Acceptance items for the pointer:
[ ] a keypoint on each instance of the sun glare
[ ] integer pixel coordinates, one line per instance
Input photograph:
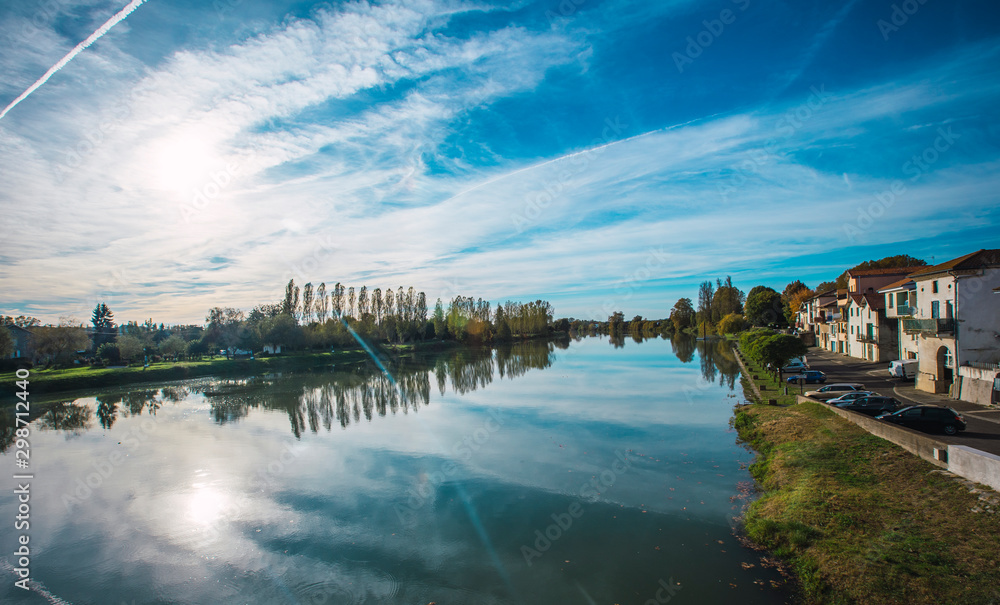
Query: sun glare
(183, 162)
(206, 505)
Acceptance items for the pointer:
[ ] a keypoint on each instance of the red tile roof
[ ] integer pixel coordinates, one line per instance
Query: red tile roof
(886, 271)
(975, 260)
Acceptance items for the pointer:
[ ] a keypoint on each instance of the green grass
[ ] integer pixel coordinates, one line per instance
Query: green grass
(860, 520)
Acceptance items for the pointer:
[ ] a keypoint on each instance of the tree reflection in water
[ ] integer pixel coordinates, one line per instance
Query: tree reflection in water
(313, 401)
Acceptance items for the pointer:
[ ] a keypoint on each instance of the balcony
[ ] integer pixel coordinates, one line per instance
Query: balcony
(904, 311)
(929, 326)
(868, 338)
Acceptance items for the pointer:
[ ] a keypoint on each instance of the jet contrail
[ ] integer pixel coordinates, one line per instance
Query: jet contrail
(113, 21)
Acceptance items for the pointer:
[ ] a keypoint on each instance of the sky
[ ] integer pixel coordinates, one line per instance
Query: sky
(601, 155)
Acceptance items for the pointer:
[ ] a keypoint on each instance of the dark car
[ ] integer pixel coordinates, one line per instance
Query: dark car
(873, 405)
(927, 418)
(809, 376)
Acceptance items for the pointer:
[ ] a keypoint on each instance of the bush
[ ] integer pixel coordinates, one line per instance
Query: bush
(108, 352)
(733, 323)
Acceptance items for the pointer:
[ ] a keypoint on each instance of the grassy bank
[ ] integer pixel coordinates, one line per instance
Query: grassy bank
(72, 379)
(770, 387)
(861, 520)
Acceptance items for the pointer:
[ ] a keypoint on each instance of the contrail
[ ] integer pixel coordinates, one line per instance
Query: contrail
(113, 21)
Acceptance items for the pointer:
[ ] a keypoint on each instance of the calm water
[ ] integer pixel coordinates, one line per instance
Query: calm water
(533, 474)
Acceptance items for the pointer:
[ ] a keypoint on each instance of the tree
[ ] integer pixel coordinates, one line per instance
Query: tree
(290, 304)
(7, 343)
(58, 342)
(728, 299)
(104, 325)
(440, 330)
(307, 303)
(130, 348)
(174, 346)
(281, 331)
(732, 323)
(826, 287)
(21, 321)
(777, 350)
(350, 302)
(616, 323)
(792, 288)
(795, 303)
(763, 307)
(682, 314)
(705, 294)
(225, 325)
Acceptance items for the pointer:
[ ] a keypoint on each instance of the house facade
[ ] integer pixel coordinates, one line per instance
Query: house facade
(957, 324)
(23, 348)
(871, 335)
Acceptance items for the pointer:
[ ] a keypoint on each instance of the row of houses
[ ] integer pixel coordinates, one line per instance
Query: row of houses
(946, 317)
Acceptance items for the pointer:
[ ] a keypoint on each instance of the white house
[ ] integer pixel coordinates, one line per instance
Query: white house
(957, 323)
(871, 335)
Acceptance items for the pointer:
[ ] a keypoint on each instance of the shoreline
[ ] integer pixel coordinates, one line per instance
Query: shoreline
(858, 519)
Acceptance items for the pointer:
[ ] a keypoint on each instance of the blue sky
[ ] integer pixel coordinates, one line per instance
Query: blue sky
(601, 155)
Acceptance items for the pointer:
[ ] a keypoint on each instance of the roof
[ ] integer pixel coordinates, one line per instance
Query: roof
(868, 298)
(975, 260)
(884, 271)
(904, 284)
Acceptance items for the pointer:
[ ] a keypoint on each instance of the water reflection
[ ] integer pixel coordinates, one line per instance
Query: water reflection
(341, 398)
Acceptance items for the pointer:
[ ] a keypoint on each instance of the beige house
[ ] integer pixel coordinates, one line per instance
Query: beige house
(957, 324)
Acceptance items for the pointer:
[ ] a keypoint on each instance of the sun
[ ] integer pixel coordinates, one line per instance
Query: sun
(182, 162)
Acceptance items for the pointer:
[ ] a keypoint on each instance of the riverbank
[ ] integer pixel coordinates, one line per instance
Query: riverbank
(859, 519)
(45, 382)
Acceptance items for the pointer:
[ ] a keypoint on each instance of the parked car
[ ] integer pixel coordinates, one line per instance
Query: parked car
(835, 390)
(927, 418)
(850, 396)
(873, 405)
(809, 376)
(904, 368)
(796, 365)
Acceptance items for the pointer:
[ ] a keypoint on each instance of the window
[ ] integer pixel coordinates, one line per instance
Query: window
(889, 298)
(936, 309)
(934, 287)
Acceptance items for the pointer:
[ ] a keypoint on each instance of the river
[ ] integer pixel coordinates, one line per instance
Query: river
(564, 472)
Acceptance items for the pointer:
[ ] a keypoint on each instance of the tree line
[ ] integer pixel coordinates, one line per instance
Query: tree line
(307, 317)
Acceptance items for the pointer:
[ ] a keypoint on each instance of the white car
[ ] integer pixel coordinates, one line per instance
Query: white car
(904, 368)
(831, 391)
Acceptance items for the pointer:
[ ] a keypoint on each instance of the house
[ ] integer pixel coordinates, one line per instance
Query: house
(957, 324)
(810, 314)
(22, 342)
(863, 307)
(871, 335)
(826, 322)
(838, 329)
(900, 300)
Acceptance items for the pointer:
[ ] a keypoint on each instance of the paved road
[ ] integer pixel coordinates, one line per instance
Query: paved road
(983, 431)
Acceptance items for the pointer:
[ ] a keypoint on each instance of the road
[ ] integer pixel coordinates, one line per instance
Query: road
(983, 431)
